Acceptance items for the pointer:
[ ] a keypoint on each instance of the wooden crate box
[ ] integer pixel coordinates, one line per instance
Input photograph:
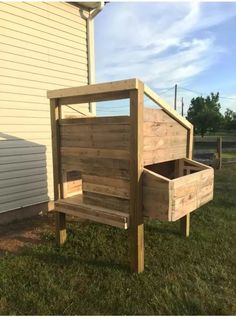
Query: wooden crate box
(173, 189)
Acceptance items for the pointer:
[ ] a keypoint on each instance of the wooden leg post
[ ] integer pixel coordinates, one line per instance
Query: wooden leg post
(185, 221)
(185, 225)
(137, 248)
(60, 228)
(136, 171)
(55, 111)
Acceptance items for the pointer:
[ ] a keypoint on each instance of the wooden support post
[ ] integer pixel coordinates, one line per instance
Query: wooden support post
(136, 170)
(185, 221)
(55, 111)
(219, 152)
(185, 225)
(60, 228)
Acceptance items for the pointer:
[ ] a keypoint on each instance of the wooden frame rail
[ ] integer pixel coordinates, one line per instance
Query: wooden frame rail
(133, 89)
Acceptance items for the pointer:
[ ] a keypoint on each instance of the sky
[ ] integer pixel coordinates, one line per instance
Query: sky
(191, 44)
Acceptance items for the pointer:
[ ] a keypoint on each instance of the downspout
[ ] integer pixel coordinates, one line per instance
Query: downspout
(91, 55)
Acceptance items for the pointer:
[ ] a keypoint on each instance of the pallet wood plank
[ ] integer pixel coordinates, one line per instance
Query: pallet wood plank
(100, 121)
(111, 202)
(99, 153)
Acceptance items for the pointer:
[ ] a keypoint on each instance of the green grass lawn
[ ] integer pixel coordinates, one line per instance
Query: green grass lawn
(89, 275)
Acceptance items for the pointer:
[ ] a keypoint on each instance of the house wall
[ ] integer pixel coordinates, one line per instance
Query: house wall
(43, 46)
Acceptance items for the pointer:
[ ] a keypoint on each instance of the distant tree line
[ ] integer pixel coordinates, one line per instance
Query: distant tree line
(205, 115)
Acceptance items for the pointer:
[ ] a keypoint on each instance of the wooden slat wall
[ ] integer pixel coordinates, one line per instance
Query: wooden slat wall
(164, 138)
(43, 46)
(99, 149)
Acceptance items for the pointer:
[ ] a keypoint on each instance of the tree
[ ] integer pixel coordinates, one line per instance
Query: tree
(230, 119)
(204, 114)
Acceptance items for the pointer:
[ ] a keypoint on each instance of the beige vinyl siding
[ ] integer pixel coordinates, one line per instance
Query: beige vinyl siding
(43, 46)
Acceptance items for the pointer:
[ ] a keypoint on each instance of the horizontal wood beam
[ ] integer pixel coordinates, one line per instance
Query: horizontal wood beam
(115, 86)
(167, 108)
(108, 96)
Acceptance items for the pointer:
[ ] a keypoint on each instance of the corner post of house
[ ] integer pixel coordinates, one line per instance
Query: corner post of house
(136, 229)
(55, 111)
(185, 221)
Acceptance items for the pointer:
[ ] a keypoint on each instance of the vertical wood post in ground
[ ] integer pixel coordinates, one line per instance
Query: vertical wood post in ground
(219, 152)
(136, 229)
(185, 221)
(185, 225)
(55, 111)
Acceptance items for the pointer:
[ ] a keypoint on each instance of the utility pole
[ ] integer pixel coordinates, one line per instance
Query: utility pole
(175, 101)
(182, 106)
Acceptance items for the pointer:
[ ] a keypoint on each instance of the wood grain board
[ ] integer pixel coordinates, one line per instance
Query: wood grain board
(164, 139)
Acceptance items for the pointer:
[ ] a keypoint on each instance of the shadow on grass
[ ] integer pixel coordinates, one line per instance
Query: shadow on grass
(162, 228)
(82, 248)
(59, 259)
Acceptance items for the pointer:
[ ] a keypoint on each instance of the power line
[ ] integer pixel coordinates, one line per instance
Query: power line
(194, 91)
(200, 93)
(166, 90)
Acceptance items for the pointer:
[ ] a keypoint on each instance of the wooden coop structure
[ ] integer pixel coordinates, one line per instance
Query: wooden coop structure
(118, 170)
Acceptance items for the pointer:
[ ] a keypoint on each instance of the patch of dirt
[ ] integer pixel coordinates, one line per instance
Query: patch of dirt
(26, 232)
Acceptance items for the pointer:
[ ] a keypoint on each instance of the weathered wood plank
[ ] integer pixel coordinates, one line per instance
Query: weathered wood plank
(110, 202)
(98, 169)
(77, 129)
(96, 120)
(109, 181)
(161, 155)
(106, 190)
(95, 153)
(164, 138)
(98, 141)
(86, 163)
(154, 143)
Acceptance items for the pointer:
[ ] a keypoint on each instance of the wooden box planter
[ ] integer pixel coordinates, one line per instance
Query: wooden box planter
(173, 189)
(118, 170)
